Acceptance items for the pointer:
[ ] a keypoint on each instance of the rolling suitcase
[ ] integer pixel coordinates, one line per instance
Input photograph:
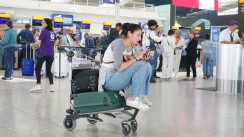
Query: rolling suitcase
(98, 101)
(27, 65)
(60, 65)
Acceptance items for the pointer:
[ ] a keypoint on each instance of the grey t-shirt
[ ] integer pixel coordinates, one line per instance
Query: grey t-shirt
(118, 47)
(207, 46)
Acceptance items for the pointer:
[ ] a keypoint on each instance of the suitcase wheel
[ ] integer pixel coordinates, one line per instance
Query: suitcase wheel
(69, 124)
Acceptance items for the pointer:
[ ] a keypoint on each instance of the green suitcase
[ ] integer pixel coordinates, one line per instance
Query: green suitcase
(98, 101)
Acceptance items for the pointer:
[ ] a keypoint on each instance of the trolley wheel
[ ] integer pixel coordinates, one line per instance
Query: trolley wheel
(69, 124)
(133, 126)
(126, 129)
(92, 121)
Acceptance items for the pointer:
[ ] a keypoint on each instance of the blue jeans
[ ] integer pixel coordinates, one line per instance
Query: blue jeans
(206, 59)
(1, 58)
(9, 61)
(153, 62)
(137, 75)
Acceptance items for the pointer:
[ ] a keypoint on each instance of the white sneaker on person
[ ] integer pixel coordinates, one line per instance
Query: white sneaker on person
(146, 101)
(36, 87)
(51, 88)
(137, 104)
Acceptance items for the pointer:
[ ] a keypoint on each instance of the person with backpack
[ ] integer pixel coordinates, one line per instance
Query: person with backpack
(150, 39)
(8, 43)
(47, 40)
(24, 37)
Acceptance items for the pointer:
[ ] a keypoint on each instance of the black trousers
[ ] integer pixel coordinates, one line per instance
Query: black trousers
(191, 62)
(49, 62)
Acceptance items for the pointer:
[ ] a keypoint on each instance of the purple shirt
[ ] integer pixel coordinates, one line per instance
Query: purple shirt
(47, 38)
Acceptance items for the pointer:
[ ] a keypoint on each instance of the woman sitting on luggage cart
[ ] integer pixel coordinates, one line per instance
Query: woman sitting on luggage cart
(118, 71)
(47, 40)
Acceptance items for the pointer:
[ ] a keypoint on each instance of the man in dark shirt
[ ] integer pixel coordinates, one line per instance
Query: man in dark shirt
(114, 32)
(29, 37)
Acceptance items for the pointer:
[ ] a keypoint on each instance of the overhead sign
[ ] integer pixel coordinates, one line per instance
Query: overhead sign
(107, 25)
(4, 18)
(37, 20)
(109, 1)
(58, 23)
(68, 19)
(86, 24)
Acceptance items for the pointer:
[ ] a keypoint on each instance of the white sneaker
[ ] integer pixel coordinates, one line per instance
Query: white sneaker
(146, 101)
(51, 88)
(137, 104)
(36, 87)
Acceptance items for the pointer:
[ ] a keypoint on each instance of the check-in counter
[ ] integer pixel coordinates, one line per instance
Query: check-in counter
(230, 68)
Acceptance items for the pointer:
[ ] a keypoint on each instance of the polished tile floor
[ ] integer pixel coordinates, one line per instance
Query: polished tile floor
(179, 110)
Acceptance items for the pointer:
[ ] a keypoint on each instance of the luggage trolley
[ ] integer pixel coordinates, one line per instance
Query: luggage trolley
(90, 105)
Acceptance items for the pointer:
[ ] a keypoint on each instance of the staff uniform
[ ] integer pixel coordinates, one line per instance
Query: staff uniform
(178, 50)
(168, 57)
(226, 36)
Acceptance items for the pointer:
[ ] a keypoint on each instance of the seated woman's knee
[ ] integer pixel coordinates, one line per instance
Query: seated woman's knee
(141, 64)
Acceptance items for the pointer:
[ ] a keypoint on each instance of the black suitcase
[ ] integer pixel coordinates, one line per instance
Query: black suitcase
(84, 80)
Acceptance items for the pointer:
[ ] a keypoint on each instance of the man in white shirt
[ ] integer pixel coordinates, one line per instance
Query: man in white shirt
(168, 56)
(229, 36)
(179, 43)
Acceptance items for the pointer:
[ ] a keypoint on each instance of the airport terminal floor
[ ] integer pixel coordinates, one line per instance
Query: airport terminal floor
(180, 109)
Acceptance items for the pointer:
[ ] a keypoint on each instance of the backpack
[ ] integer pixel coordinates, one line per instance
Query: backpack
(23, 38)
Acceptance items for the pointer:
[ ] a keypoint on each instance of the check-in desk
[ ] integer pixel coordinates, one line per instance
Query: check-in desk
(230, 68)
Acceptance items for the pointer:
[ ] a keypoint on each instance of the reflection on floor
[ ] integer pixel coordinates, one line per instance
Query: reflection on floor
(179, 110)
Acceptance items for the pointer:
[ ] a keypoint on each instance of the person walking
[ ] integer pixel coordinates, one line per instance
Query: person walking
(47, 40)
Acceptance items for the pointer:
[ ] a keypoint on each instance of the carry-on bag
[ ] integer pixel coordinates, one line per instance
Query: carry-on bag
(27, 65)
(60, 65)
(84, 80)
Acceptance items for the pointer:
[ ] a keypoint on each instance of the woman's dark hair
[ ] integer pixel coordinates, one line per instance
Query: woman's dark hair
(170, 32)
(207, 36)
(152, 23)
(9, 24)
(126, 27)
(49, 24)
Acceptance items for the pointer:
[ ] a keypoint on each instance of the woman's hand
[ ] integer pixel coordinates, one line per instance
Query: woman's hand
(141, 54)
